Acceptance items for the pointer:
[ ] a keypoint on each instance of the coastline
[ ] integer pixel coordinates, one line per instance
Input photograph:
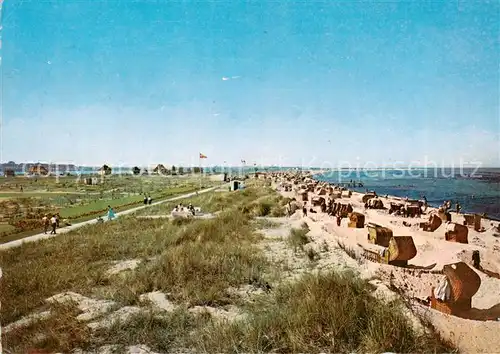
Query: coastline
(473, 331)
(477, 208)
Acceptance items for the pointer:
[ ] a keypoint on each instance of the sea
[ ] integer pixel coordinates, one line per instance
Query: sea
(477, 191)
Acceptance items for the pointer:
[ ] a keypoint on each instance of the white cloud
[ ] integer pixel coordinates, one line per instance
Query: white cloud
(226, 78)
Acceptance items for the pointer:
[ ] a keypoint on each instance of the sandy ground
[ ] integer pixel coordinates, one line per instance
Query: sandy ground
(473, 334)
(63, 230)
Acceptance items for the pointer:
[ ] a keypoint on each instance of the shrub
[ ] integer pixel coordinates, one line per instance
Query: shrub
(312, 254)
(298, 238)
(263, 209)
(278, 211)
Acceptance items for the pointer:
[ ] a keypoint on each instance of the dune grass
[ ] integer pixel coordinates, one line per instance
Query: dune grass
(298, 237)
(332, 312)
(255, 200)
(196, 262)
(61, 332)
(202, 260)
(266, 224)
(163, 333)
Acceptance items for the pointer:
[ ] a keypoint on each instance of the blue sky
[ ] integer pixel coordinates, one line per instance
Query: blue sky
(319, 82)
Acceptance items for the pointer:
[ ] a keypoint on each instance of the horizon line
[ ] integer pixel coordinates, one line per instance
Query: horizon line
(245, 166)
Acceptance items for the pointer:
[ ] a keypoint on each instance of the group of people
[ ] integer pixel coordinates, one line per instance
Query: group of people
(180, 207)
(447, 206)
(53, 222)
(329, 207)
(148, 200)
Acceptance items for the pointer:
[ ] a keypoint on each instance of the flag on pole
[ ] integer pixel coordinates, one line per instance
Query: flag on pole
(202, 156)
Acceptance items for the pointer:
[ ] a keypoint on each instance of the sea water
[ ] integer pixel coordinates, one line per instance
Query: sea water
(476, 191)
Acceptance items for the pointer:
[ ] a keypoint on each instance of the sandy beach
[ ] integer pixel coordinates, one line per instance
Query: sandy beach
(474, 331)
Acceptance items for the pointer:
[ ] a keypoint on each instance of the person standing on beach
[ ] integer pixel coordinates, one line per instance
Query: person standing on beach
(46, 223)
(304, 209)
(459, 207)
(53, 222)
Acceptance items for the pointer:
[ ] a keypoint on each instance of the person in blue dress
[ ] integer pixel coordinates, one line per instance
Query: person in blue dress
(111, 213)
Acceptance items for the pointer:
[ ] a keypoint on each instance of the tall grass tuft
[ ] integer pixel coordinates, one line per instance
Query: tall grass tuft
(298, 238)
(351, 252)
(61, 332)
(203, 259)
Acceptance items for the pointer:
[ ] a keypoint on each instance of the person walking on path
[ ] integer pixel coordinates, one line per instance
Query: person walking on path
(111, 213)
(46, 223)
(53, 222)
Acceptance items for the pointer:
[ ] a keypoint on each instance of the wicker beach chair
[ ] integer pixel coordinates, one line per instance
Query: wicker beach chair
(336, 195)
(401, 250)
(473, 220)
(456, 233)
(395, 207)
(356, 220)
(413, 210)
(379, 235)
(375, 203)
(345, 210)
(433, 223)
(376, 253)
(317, 201)
(367, 197)
(321, 191)
(346, 194)
(464, 283)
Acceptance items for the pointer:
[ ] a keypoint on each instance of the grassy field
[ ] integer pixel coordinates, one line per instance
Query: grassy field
(196, 262)
(6, 228)
(101, 205)
(86, 202)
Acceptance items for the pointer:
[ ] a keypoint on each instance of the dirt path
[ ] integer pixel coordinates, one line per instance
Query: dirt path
(66, 229)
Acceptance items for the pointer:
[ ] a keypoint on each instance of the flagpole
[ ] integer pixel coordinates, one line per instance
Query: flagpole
(199, 165)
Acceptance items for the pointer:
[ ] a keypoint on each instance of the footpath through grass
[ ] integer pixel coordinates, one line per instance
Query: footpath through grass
(91, 211)
(196, 262)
